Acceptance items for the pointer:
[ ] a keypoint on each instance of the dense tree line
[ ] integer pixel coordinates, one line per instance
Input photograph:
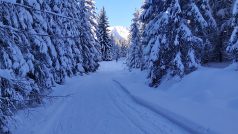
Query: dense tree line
(44, 41)
(41, 43)
(174, 37)
(111, 48)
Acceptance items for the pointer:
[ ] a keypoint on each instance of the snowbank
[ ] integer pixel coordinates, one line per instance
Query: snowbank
(205, 101)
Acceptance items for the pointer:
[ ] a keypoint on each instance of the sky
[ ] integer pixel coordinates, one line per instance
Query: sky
(119, 12)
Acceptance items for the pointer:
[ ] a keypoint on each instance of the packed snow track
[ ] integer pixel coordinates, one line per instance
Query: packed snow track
(97, 104)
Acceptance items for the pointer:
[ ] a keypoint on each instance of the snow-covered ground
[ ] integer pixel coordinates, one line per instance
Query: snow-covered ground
(116, 101)
(204, 101)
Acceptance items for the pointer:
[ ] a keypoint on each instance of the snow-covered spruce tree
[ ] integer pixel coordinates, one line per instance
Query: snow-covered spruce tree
(16, 61)
(150, 9)
(41, 42)
(134, 57)
(221, 10)
(103, 36)
(115, 48)
(171, 47)
(123, 48)
(91, 10)
(69, 51)
(233, 43)
(211, 21)
(202, 23)
(87, 39)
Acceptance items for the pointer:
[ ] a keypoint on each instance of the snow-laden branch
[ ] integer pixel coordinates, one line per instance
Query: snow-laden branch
(4, 27)
(33, 8)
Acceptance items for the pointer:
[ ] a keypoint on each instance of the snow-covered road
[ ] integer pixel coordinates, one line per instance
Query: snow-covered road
(97, 104)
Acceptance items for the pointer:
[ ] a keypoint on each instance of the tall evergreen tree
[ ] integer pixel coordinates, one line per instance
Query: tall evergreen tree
(134, 57)
(91, 10)
(171, 47)
(150, 10)
(233, 43)
(115, 48)
(87, 38)
(123, 48)
(103, 36)
(202, 23)
(221, 11)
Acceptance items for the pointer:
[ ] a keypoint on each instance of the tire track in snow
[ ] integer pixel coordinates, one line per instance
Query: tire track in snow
(143, 118)
(186, 125)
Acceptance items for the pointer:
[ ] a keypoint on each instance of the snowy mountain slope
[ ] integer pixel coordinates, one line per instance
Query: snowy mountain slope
(120, 32)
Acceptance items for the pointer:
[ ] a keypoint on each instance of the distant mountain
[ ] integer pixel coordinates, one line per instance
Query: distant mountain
(120, 32)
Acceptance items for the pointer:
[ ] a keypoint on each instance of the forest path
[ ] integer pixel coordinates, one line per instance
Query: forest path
(97, 105)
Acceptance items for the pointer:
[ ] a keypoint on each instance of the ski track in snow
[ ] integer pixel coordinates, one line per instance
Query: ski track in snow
(147, 120)
(99, 105)
(187, 125)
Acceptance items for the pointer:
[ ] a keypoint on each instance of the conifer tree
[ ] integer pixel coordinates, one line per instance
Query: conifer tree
(115, 48)
(91, 10)
(134, 57)
(233, 43)
(87, 38)
(171, 48)
(103, 36)
(221, 11)
(41, 42)
(203, 24)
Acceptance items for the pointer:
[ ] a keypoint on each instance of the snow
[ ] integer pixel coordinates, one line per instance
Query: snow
(12, 1)
(4, 73)
(154, 55)
(199, 17)
(207, 98)
(114, 100)
(233, 40)
(120, 32)
(235, 8)
(95, 104)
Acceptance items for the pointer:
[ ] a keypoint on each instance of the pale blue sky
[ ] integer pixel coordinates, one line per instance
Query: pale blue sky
(119, 12)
